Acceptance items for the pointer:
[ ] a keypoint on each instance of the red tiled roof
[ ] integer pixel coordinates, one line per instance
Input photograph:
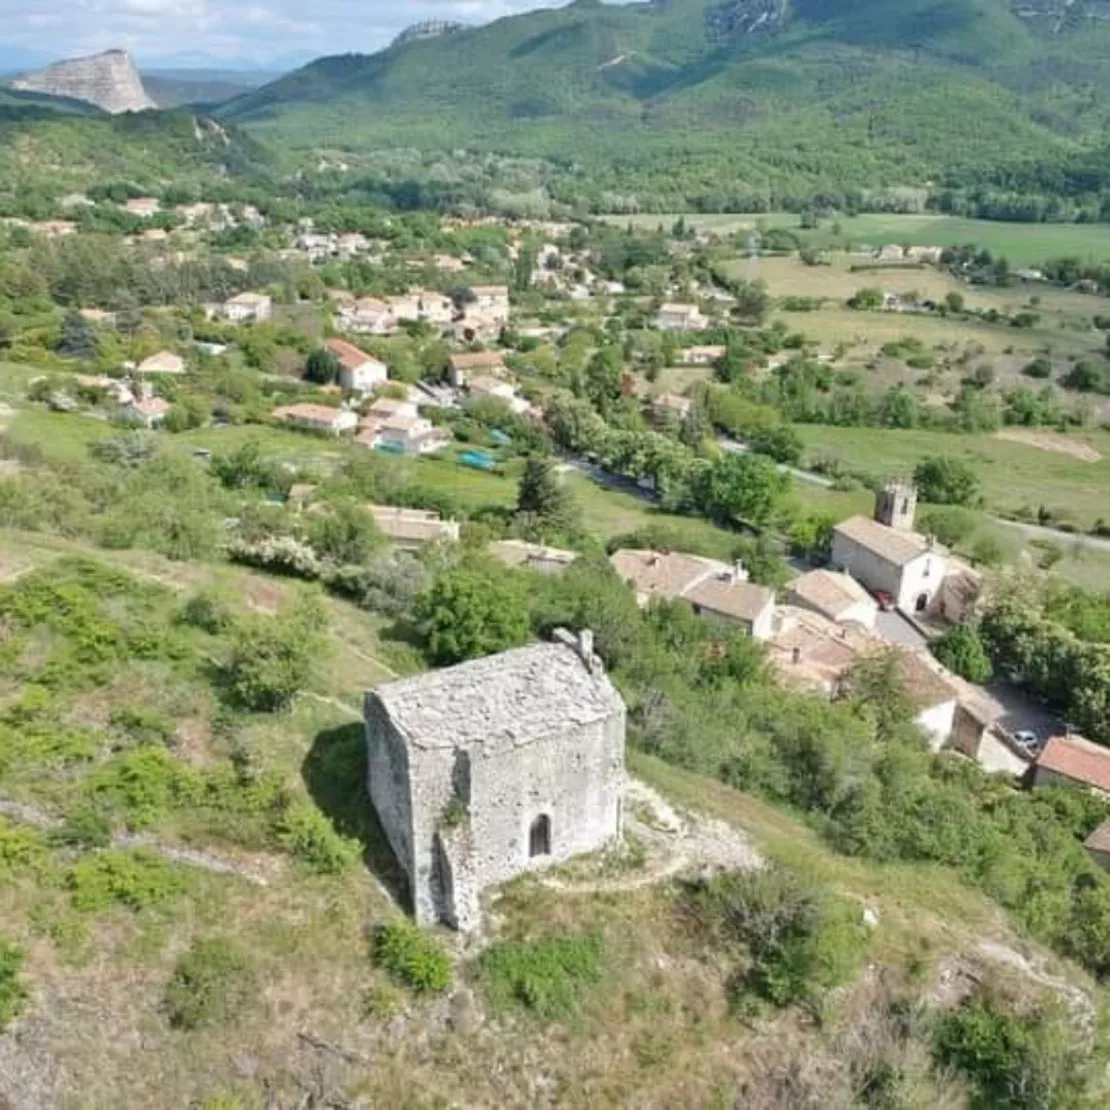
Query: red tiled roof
(1077, 759)
(350, 357)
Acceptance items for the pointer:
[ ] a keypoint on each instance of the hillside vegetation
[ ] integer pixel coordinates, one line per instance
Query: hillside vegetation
(726, 104)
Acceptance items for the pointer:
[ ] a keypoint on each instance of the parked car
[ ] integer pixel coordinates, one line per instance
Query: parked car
(1027, 741)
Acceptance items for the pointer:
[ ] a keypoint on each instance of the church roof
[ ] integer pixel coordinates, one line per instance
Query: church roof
(502, 701)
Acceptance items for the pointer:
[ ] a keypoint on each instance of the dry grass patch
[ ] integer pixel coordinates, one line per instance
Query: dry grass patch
(1051, 441)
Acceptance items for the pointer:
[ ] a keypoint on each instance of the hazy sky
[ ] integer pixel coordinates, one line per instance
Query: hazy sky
(230, 29)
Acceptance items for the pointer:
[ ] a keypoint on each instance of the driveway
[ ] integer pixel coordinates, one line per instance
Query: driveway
(895, 628)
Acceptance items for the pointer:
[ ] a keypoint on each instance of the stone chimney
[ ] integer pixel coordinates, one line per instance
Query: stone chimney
(739, 571)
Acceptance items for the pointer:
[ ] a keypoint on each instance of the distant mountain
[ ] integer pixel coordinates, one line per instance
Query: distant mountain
(723, 100)
(109, 80)
(171, 88)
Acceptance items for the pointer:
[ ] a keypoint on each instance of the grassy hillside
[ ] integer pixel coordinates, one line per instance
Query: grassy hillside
(684, 96)
(77, 149)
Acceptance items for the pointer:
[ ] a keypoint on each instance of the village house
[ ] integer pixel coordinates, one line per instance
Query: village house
(887, 556)
(75, 200)
(461, 368)
(449, 264)
(53, 229)
(248, 306)
(814, 653)
(532, 556)
(413, 528)
(839, 597)
(358, 371)
(490, 302)
(405, 306)
(478, 388)
(680, 317)
(711, 588)
(1072, 761)
(143, 207)
(701, 356)
(316, 418)
(495, 767)
(367, 316)
(1098, 845)
(164, 362)
(403, 435)
(669, 406)
(149, 412)
(384, 408)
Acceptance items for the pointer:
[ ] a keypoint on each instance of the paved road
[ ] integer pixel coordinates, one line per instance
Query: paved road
(1038, 531)
(895, 628)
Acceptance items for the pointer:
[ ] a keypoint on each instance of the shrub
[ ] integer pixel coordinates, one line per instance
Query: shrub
(946, 481)
(137, 880)
(206, 612)
(13, 994)
(1038, 368)
(411, 957)
(546, 976)
(309, 836)
(1013, 1061)
(798, 941)
(962, 652)
(272, 659)
(212, 984)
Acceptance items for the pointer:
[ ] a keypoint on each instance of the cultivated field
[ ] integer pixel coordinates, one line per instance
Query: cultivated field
(1022, 244)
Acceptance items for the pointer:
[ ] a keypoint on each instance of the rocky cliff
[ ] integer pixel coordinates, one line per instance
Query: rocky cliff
(109, 80)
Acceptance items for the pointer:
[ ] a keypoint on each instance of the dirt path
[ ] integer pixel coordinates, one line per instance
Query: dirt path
(672, 842)
(256, 869)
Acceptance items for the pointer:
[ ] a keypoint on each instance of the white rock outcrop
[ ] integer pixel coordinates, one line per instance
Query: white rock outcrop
(109, 80)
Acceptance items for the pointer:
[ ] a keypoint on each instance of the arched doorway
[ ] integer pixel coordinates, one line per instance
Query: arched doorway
(922, 603)
(539, 837)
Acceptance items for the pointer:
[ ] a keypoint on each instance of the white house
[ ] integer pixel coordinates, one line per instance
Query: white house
(490, 302)
(358, 371)
(474, 364)
(404, 435)
(248, 306)
(368, 316)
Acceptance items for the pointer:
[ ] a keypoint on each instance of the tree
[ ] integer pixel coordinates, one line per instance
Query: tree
(77, 338)
(346, 533)
(954, 302)
(866, 300)
(602, 381)
(963, 653)
(468, 613)
(543, 496)
(321, 367)
(272, 658)
(740, 486)
(946, 481)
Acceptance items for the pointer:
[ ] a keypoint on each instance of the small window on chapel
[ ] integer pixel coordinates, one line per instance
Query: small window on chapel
(539, 837)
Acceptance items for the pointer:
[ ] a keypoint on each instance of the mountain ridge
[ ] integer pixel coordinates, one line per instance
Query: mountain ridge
(825, 93)
(109, 80)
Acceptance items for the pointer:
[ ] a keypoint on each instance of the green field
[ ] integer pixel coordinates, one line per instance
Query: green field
(1022, 244)
(1013, 475)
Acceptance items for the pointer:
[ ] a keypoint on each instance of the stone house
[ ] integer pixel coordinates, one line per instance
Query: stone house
(143, 207)
(358, 371)
(486, 770)
(367, 316)
(669, 406)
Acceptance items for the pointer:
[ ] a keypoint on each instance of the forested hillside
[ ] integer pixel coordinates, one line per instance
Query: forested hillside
(738, 104)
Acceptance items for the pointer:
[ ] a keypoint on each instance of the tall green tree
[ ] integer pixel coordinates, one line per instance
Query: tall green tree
(468, 613)
(543, 497)
(321, 367)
